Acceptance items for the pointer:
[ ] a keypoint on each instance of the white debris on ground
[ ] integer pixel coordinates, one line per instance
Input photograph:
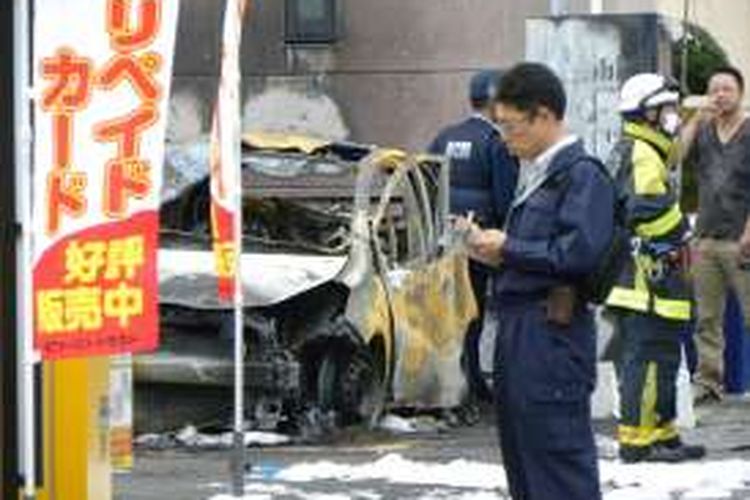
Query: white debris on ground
(270, 492)
(394, 468)
(402, 425)
(697, 480)
(191, 438)
(471, 480)
(397, 425)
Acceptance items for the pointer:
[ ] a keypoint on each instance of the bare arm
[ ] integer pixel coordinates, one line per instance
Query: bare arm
(688, 133)
(704, 114)
(745, 241)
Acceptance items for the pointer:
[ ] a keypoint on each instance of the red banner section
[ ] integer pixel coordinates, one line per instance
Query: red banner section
(222, 227)
(96, 291)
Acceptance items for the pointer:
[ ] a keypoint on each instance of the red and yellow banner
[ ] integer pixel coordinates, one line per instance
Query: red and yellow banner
(225, 158)
(102, 72)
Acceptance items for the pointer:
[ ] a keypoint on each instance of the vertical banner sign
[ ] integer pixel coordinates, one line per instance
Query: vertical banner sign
(225, 156)
(102, 73)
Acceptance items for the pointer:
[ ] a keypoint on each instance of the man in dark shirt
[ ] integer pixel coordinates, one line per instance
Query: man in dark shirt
(483, 179)
(717, 142)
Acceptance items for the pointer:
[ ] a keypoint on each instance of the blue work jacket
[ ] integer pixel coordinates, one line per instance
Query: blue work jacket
(558, 234)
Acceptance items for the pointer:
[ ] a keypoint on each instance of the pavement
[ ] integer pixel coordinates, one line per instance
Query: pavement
(434, 461)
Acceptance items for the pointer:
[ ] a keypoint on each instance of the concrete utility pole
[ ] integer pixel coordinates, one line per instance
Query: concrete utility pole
(558, 7)
(597, 7)
(8, 344)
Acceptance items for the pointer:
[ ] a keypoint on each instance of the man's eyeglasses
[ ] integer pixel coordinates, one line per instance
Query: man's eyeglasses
(510, 127)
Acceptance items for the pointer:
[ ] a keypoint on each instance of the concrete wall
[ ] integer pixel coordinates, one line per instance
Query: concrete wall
(617, 46)
(398, 73)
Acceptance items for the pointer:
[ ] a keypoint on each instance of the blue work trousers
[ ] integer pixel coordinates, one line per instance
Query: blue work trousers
(544, 376)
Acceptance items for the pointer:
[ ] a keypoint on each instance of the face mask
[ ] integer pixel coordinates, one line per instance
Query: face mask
(670, 123)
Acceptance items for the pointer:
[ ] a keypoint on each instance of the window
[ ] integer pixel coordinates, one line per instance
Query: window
(310, 21)
(399, 226)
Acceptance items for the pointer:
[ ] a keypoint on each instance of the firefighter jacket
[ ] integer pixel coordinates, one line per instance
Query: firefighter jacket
(651, 281)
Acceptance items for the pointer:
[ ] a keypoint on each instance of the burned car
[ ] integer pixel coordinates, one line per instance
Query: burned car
(356, 292)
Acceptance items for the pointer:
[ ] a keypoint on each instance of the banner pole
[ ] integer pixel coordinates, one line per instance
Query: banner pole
(22, 104)
(226, 206)
(237, 12)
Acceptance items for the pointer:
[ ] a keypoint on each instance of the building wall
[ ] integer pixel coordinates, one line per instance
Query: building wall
(727, 21)
(399, 71)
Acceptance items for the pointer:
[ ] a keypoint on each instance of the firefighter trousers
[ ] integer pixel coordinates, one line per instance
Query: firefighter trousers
(647, 372)
(543, 378)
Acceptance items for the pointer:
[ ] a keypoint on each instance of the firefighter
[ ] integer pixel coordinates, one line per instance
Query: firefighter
(650, 301)
(482, 181)
(558, 229)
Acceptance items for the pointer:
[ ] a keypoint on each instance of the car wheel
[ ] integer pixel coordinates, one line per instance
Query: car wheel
(349, 384)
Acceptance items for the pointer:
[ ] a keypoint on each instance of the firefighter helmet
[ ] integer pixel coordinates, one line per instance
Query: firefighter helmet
(647, 90)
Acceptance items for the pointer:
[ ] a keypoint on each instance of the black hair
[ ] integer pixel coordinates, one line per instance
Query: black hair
(731, 71)
(529, 86)
(633, 116)
(479, 104)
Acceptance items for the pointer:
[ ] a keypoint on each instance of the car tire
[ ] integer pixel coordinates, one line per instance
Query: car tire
(348, 384)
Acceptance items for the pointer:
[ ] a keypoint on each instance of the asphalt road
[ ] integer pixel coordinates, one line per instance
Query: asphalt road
(182, 474)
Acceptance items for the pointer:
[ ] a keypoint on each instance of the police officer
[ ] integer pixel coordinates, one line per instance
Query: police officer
(558, 229)
(650, 301)
(483, 179)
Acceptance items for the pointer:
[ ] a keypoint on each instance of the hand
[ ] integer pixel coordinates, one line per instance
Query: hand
(464, 224)
(486, 246)
(708, 111)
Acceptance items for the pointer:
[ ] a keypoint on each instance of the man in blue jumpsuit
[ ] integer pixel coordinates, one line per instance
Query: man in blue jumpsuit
(559, 228)
(483, 179)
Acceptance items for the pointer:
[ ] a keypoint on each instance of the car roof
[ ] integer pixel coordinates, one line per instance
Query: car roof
(310, 145)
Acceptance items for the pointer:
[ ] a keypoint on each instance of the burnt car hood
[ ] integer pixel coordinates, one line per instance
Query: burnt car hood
(187, 277)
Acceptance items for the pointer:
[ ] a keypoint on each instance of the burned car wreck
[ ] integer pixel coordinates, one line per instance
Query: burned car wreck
(357, 294)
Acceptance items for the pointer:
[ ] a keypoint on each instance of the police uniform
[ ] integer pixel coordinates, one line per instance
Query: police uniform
(483, 174)
(651, 300)
(558, 229)
(482, 180)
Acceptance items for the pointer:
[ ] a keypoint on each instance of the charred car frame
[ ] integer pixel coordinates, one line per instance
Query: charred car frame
(357, 293)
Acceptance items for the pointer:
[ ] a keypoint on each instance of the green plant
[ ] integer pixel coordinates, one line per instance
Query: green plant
(704, 55)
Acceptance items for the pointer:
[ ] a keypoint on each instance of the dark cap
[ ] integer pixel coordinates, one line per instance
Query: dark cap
(484, 86)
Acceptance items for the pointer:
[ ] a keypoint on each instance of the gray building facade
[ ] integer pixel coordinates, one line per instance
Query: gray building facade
(395, 72)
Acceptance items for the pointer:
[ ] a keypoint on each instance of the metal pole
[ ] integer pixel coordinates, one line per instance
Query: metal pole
(683, 75)
(8, 313)
(22, 103)
(233, 25)
(685, 40)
